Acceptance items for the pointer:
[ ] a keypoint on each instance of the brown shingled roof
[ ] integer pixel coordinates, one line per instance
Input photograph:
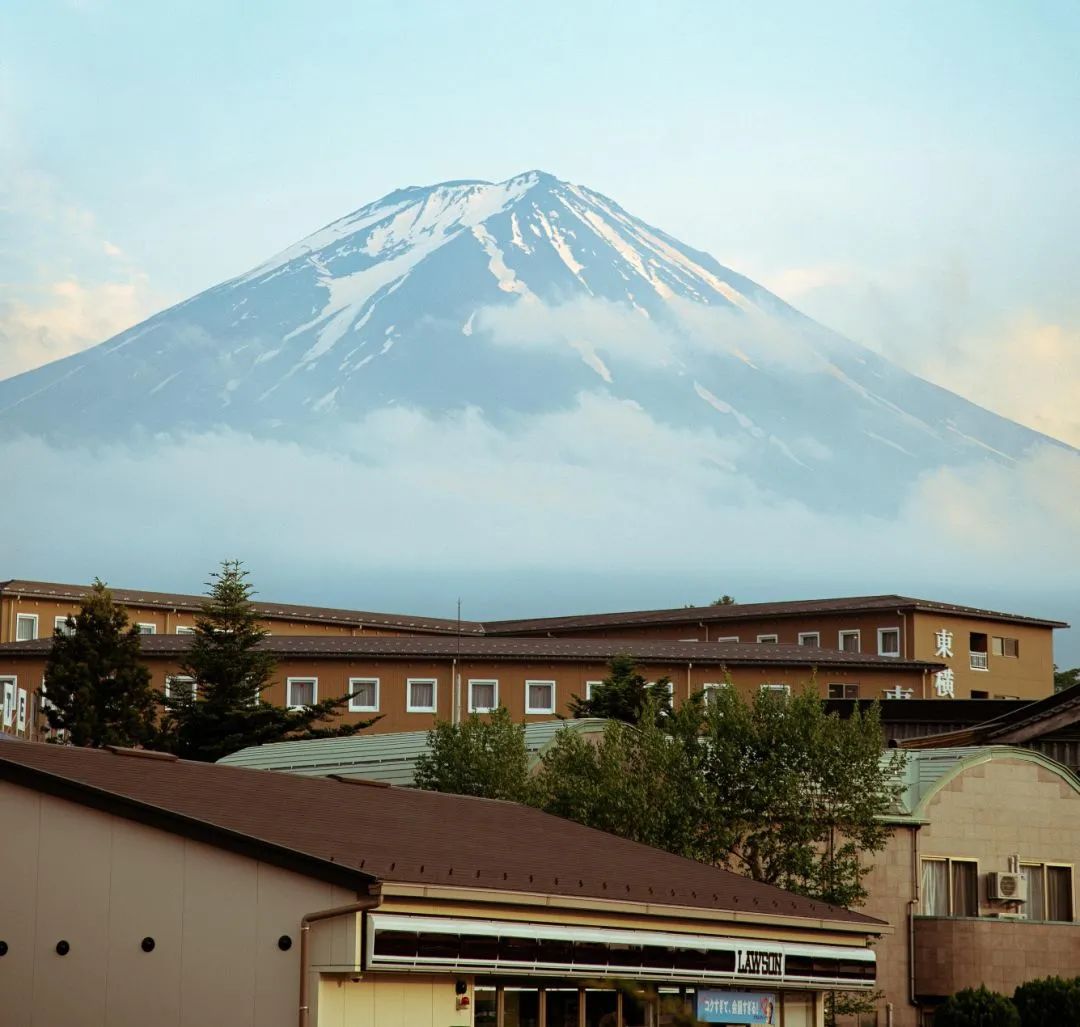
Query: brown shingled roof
(291, 611)
(355, 835)
(540, 649)
(749, 611)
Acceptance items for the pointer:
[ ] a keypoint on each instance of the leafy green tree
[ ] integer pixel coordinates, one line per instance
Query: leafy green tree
(1048, 1002)
(624, 694)
(977, 1007)
(643, 782)
(479, 757)
(96, 691)
(1066, 678)
(724, 600)
(220, 708)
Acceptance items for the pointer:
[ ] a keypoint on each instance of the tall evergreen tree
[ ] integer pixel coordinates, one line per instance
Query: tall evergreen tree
(95, 690)
(624, 694)
(217, 707)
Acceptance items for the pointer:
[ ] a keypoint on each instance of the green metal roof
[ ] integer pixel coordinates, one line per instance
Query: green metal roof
(378, 757)
(929, 770)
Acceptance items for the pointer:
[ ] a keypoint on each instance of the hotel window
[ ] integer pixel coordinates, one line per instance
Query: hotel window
(301, 692)
(147, 629)
(539, 696)
(364, 695)
(727, 638)
(178, 686)
(180, 630)
(842, 691)
(977, 649)
(483, 696)
(810, 638)
(771, 639)
(888, 641)
(25, 627)
(950, 887)
(850, 641)
(591, 687)
(712, 691)
(420, 695)
(777, 688)
(1006, 646)
(61, 624)
(1049, 891)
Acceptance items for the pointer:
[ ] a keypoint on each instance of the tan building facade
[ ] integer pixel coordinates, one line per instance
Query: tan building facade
(978, 824)
(142, 889)
(409, 683)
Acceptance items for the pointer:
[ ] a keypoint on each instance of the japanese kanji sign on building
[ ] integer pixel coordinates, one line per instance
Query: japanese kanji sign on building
(736, 1007)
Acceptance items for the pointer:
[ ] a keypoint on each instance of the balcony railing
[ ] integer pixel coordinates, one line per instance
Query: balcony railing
(979, 661)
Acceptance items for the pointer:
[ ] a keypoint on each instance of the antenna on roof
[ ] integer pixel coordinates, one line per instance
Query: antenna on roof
(456, 715)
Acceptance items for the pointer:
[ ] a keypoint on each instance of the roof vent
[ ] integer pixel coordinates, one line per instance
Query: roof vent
(143, 754)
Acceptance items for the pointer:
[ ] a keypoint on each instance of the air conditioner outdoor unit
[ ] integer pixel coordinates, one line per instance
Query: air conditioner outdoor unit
(1007, 887)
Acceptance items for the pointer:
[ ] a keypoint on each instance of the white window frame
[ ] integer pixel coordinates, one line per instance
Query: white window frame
(884, 631)
(775, 686)
(669, 688)
(769, 639)
(857, 632)
(11, 689)
(22, 707)
(409, 707)
(183, 629)
(19, 618)
(540, 681)
(843, 686)
(354, 706)
(144, 624)
(816, 635)
(727, 638)
(713, 686)
(303, 679)
(590, 687)
(473, 708)
(180, 677)
(60, 624)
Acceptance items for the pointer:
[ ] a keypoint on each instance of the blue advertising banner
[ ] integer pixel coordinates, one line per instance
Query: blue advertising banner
(737, 1007)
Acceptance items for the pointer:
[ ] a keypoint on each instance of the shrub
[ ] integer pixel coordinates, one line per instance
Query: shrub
(1048, 1002)
(977, 1007)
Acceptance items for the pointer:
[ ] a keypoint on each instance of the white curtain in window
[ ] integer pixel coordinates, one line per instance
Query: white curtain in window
(423, 694)
(935, 887)
(1035, 907)
(539, 697)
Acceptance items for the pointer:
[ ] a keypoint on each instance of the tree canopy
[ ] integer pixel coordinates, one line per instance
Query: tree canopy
(95, 690)
(977, 1007)
(624, 694)
(215, 705)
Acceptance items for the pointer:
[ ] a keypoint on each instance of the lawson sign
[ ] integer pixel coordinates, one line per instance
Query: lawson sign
(737, 1007)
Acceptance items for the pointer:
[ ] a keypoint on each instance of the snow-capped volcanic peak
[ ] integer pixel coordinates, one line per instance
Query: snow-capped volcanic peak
(516, 299)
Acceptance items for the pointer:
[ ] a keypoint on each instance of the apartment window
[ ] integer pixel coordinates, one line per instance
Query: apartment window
(364, 695)
(1006, 646)
(539, 696)
(591, 687)
(950, 887)
(769, 638)
(727, 638)
(483, 696)
(850, 641)
(712, 691)
(179, 685)
(888, 641)
(25, 627)
(1049, 891)
(421, 694)
(779, 689)
(301, 692)
(838, 690)
(61, 624)
(180, 630)
(20, 716)
(147, 629)
(810, 638)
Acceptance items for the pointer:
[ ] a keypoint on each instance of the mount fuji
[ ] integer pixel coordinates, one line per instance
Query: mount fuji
(516, 300)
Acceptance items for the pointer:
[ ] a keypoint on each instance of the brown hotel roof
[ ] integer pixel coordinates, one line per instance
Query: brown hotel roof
(358, 834)
(524, 649)
(753, 611)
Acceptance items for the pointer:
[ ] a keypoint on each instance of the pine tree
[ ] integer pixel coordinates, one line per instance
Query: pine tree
(95, 690)
(623, 694)
(219, 708)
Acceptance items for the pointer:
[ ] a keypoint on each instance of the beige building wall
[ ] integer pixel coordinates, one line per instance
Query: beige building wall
(1002, 807)
(103, 884)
